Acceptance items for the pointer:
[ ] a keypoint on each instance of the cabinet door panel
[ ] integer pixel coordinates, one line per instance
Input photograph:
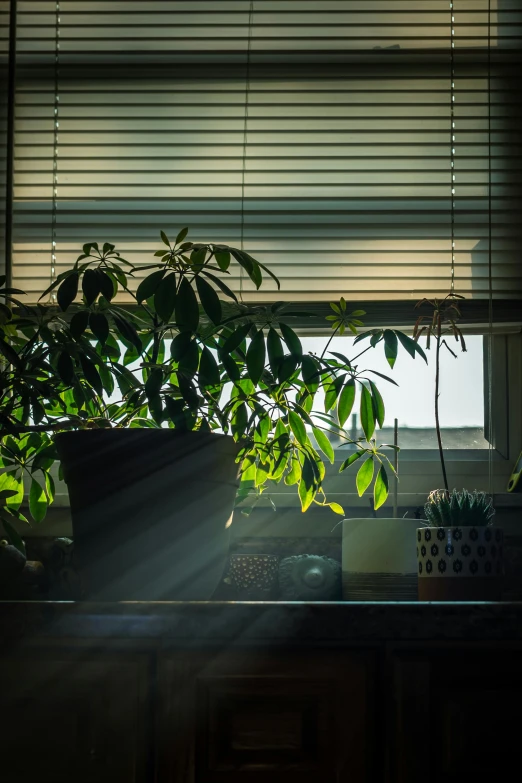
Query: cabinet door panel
(67, 717)
(244, 717)
(457, 715)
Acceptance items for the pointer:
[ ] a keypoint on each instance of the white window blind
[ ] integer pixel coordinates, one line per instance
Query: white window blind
(327, 137)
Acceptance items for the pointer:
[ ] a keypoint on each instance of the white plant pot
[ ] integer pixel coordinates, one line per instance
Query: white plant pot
(379, 559)
(460, 563)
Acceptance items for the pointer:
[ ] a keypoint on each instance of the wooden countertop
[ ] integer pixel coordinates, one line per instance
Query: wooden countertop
(258, 623)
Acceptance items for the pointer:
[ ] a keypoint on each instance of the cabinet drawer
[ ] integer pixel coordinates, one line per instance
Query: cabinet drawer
(266, 717)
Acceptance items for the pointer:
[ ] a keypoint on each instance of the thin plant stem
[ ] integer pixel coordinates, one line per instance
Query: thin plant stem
(437, 394)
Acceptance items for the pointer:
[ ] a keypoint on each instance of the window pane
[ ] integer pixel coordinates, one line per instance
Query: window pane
(461, 399)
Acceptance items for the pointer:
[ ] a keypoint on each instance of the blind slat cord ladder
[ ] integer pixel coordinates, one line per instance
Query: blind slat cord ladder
(337, 178)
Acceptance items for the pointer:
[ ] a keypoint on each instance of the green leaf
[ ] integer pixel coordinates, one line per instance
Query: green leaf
(165, 240)
(165, 297)
(67, 291)
(332, 392)
(324, 443)
(346, 401)
(294, 474)
(230, 367)
(209, 300)
(99, 326)
(149, 285)
(128, 331)
(250, 265)
(187, 308)
(154, 383)
(262, 430)
(255, 357)
(49, 487)
(364, 476)
(307, 485)
(262, 472)
(37, 501)
(292, 340)
(90, 246)
(90, 286)
(65, 368)
(91, 374)
(9, 353)
(239, 420)
(197, 258)
(412, 346)
(380, 489)
(391, 346)
(287, 368)
(378, 404)
(384, 377)
(12, 481)
(13, 537)
(366, 413)
(223, 260)
(208, 369)
(234, 340)
(221, 285)
(297, 427)
(275, 350)
(7, 493)
(79, 323)
(181, 236)
(336, 508)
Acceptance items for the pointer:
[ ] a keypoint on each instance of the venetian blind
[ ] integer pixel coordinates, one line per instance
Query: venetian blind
(327, 137)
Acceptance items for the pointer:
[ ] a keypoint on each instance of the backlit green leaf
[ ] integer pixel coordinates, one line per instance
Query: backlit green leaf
(37, 501)
(390, 346)
(364, 476)
(346, 401)
(378, 404)
(324, 443)
(366, 413)
(380, 489)
(297, 427)
(411, 345)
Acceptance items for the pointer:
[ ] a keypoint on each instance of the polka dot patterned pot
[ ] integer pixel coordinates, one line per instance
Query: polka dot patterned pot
(460, 563)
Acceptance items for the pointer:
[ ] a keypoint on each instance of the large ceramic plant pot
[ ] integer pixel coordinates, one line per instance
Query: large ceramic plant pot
(150, 511)
(460, 563)
(378, 560)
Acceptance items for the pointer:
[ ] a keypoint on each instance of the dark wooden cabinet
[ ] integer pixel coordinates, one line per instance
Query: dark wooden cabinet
(260, 693)
(70, 716)
(456, 714)
(263, 716)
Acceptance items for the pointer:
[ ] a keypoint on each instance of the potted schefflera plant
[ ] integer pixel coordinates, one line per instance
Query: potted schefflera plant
(167, 406)
(459, 552)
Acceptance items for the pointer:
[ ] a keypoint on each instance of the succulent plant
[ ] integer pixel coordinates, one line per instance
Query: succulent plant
(459, 507)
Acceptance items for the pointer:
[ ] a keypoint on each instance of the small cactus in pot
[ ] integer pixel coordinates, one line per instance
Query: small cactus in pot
(458, 508)
(460, 553)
